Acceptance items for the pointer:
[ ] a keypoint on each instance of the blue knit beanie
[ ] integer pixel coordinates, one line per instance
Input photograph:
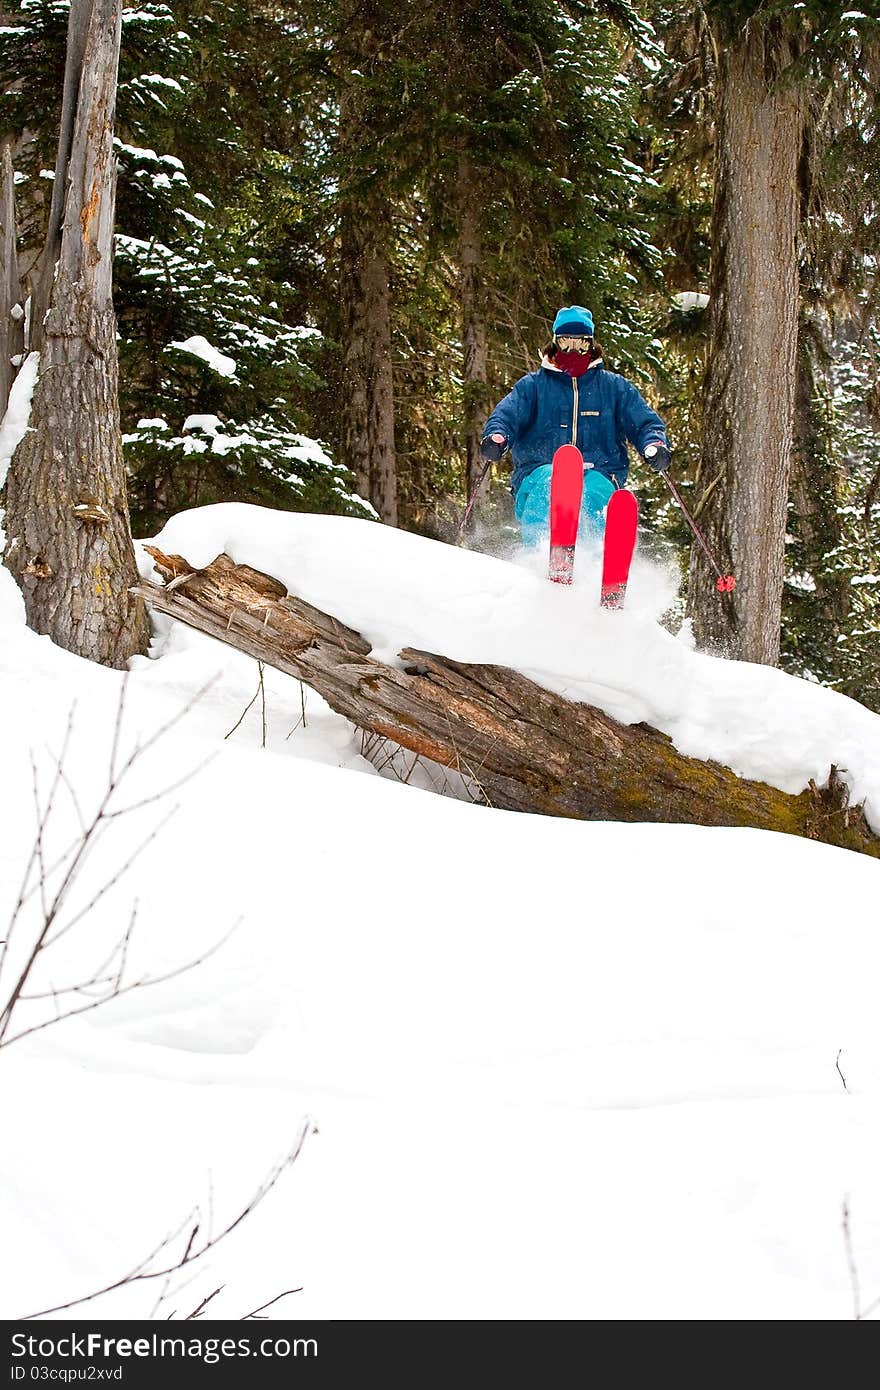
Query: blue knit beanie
(574, 319)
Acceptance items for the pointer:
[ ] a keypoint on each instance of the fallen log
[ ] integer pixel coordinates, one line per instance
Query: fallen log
(523, 747)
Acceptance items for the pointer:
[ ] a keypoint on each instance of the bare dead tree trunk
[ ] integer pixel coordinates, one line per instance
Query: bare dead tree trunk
(743, 474)
(67, 520)
(11, 305)
(522, 747)
(473, 318)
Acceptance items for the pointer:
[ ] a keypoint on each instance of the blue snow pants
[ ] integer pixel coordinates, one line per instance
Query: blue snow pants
(532, 504)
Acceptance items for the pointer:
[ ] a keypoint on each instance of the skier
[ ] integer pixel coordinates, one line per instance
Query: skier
(571, 399)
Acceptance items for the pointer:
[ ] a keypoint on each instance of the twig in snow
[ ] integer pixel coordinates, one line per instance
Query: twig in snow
(197, 1312)
(850, 1260)
(257, 1313)
(259, 693)
(859, 1313)
(195, 1247)
(302, 718)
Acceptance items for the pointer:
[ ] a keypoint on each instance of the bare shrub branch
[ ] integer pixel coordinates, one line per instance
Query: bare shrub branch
(259, 694)
(52, 880)
(859, 1313)
(197, 1245)
(258, 1312)
(46, 888)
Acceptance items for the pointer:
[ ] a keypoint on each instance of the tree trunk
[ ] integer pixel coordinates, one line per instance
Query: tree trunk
(11, 306)
(353, 407)
(743, 474)
(67, 519)
(367, 404)
(518, 746)
(473, 317)
(78, 23)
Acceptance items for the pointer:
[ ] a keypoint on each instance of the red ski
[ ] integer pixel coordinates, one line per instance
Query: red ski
(566, 490)
(621, 524)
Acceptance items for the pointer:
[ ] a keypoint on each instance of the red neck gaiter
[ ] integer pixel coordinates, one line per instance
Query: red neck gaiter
(573, 363)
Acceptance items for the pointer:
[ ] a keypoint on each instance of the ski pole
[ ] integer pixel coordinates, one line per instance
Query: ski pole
(725, 582)
(473, 497)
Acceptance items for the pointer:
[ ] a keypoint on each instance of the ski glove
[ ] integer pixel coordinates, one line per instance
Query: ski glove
(658, 456)
(492, 447)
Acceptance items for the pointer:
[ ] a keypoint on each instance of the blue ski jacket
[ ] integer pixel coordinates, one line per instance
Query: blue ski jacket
(599, 412)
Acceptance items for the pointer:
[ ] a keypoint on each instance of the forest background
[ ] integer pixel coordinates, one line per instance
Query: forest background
(341, 233)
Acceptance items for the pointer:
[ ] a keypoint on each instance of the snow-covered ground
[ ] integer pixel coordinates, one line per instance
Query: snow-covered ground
(545, 1069)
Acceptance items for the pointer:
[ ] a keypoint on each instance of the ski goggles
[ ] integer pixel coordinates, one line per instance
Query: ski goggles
(568, 342)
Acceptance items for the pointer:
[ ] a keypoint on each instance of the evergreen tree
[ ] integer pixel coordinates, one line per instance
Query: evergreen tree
(837, 182)
(831, 619)
(192, 96)
(477, 167)
(418, 189)
(529, 157)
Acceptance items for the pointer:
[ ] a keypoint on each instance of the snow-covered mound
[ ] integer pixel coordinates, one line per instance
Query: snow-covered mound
(404, 590)
(550, 1069)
